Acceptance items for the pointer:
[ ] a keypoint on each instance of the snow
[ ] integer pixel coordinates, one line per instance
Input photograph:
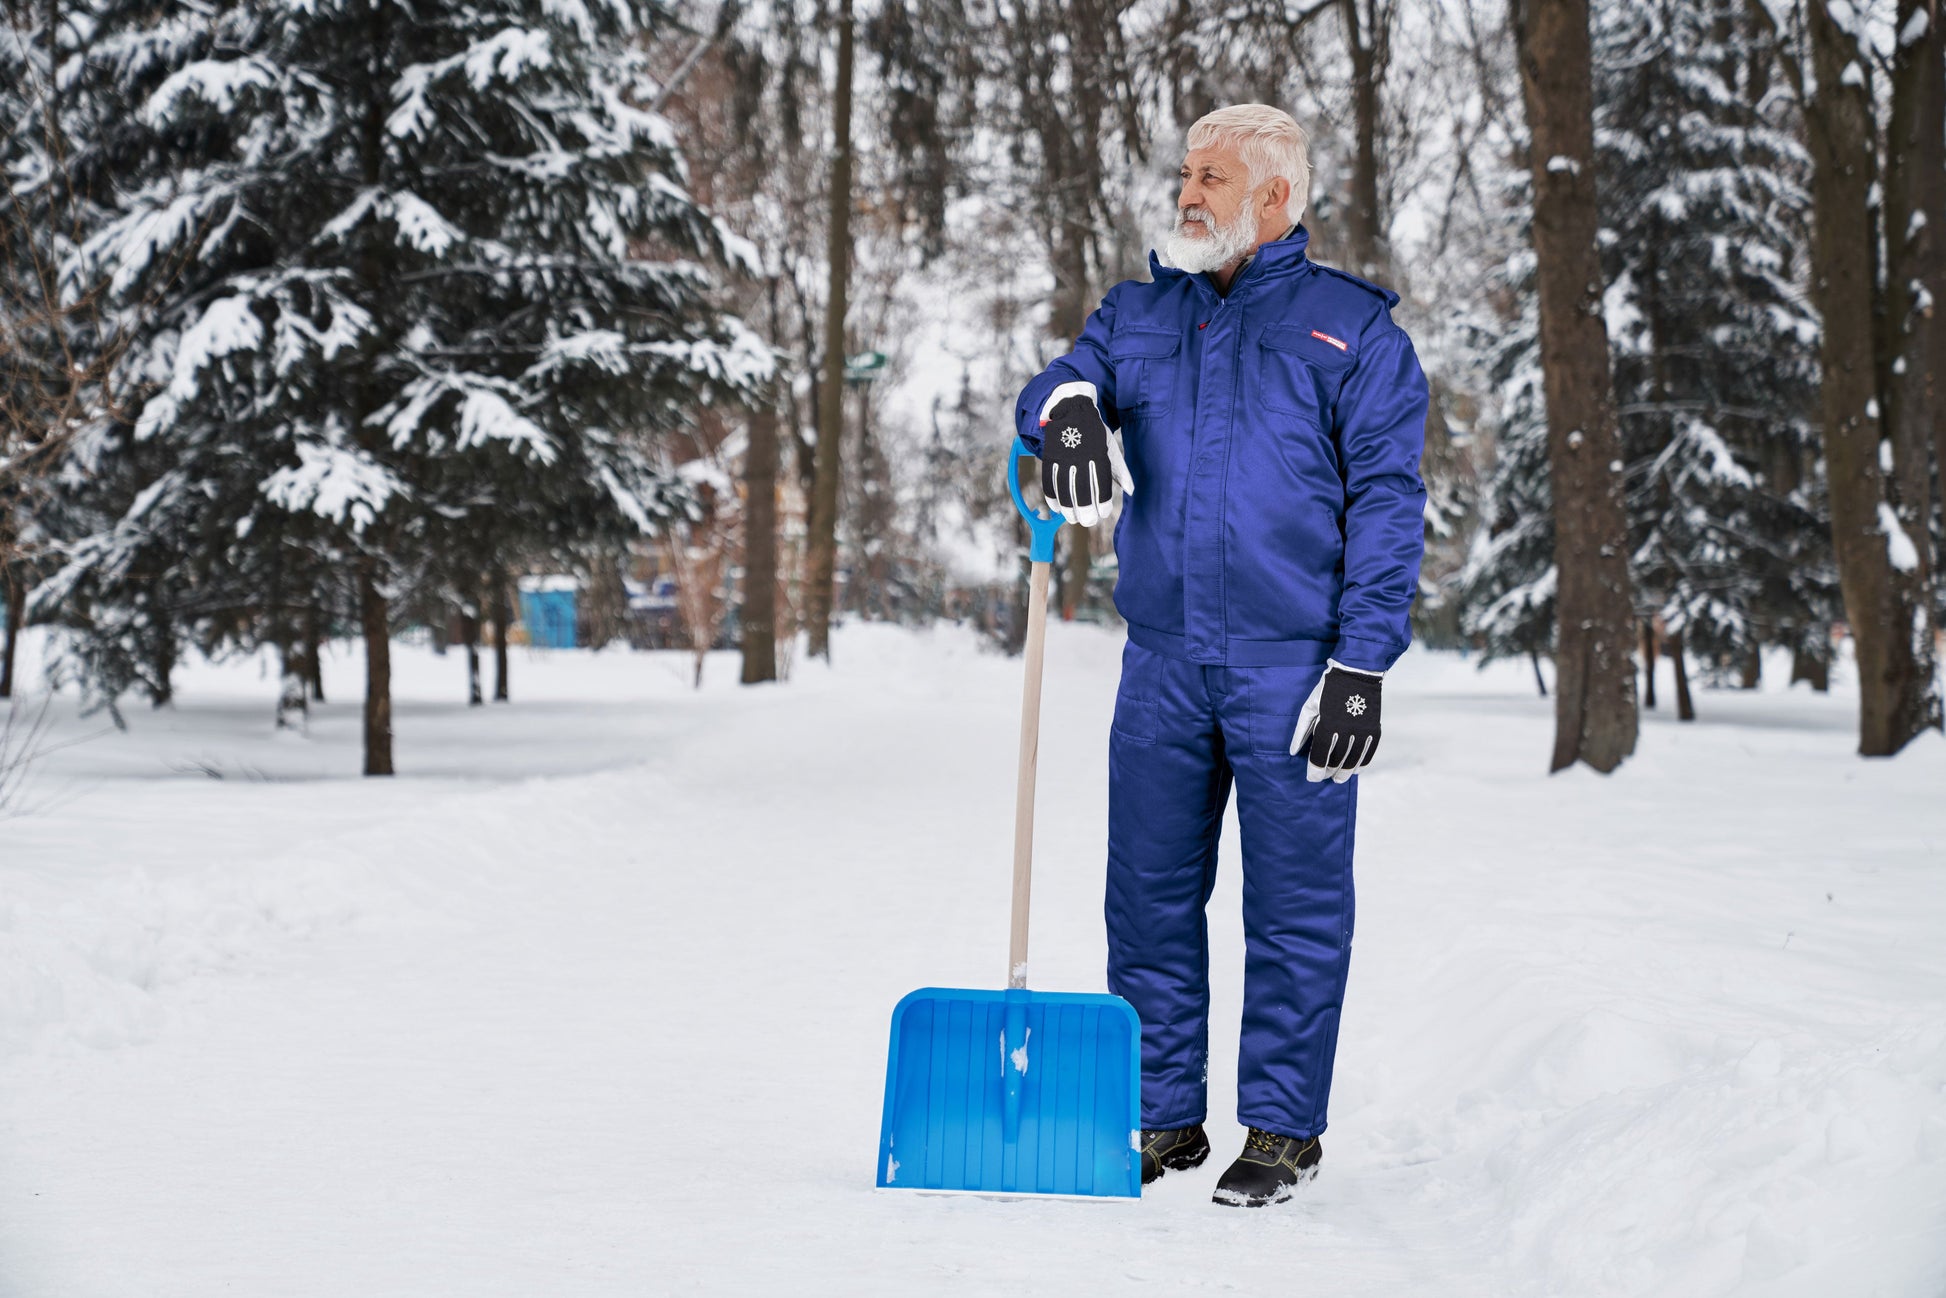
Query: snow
(1914, 31)
(1622, 317)
(593, 999)
(506, 55)
(1561, 162)
(226, 327)
(745, 360)
(486, 416)
(1903, 555)
(421, 226)
(341, 483)
(216, 82)
(604, 349)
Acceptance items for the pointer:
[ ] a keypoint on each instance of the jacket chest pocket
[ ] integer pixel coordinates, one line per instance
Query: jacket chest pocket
(1301, 373)
(1145, 368)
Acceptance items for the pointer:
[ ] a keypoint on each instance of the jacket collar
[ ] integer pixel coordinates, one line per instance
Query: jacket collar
(1279, 257)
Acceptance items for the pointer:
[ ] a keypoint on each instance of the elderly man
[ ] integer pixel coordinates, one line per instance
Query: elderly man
(1263, 416)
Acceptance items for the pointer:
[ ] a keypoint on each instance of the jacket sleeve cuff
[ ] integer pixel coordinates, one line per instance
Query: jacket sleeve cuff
(1354, 653)
(1027, 413)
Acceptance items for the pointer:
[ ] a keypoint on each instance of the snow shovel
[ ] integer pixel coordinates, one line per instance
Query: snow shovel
(1015, 1092)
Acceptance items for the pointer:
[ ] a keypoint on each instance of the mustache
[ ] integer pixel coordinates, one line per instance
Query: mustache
(1184, 215)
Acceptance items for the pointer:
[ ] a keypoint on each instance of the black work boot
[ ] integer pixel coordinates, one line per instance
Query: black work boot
(1268, 1170)
(1173, 1151)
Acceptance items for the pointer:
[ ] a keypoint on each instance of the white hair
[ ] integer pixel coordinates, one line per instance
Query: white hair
(1273, 146)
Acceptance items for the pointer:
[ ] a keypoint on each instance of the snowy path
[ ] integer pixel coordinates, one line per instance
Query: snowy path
(619, 1027)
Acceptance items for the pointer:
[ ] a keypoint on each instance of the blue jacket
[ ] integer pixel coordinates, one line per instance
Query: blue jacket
(1273, 435)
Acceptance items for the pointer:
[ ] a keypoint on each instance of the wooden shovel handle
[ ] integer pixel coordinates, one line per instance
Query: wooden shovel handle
(1030, 742)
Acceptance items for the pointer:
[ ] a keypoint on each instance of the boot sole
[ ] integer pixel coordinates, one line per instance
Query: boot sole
(1283, 1193)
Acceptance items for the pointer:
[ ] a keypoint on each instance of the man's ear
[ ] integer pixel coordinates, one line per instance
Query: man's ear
(1277, 198)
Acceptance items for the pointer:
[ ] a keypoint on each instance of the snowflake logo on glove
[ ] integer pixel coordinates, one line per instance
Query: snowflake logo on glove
(1355, 705)
(1070, 437)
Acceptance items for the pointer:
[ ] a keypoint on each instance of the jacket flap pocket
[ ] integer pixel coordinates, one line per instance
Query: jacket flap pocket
(1136, 341)
(1319, 347)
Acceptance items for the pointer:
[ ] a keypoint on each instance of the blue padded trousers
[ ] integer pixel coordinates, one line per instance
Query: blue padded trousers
(1184, 733)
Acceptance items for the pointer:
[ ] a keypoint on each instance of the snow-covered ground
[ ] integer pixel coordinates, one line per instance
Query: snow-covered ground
(593, 998)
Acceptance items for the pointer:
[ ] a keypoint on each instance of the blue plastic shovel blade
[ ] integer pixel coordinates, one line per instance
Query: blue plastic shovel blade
(1013, 1092)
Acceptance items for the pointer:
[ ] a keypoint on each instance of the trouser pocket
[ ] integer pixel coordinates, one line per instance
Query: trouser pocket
(1270, 733)
(1136, 709)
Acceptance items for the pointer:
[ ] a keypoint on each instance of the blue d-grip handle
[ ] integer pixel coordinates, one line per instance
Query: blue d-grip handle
(1040, 548)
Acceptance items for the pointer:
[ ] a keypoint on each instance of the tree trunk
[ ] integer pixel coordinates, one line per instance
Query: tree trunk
(1016, 639)
(1884, 603)
(1914, 369)
(497, 594)
(314, 652)
(822, 560)
(293, 694)
(162, 662)
(760, 547)
(375, 623)
(1594, 698)
(469, 630)
(8, 651)
(1806, 666)
(373, 616)
(872, 518)
(1685, 706)
(1540, 681)
(1648, 664)
(1363, 238)
(1750, 672)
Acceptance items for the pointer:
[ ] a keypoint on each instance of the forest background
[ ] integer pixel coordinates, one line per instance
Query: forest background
(331, 320)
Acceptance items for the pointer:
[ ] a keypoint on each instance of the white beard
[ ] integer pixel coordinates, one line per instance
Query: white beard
(1212, 251)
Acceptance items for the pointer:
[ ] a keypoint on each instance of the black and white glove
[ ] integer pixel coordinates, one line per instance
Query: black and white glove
(1080, 458)
(1340, 722)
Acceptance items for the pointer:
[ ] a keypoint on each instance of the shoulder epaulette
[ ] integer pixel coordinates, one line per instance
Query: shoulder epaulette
(1391, 298)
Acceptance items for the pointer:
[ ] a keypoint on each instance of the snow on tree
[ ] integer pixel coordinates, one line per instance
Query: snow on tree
(1507, 585)
(57, 343)
(1705, 207)
(429, 291)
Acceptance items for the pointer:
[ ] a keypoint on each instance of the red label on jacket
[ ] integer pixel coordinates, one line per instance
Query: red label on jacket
(1327, 338)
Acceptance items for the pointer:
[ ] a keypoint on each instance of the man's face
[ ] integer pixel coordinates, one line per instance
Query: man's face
(1219, 219)
(1216, 184)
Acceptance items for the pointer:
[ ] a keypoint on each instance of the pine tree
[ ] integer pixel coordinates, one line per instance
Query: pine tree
(426, 279)
(1705, 209)
(1507, 585)
(57, 343)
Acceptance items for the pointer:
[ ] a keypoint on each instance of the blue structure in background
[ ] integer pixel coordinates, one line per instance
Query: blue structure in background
(549, 614)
